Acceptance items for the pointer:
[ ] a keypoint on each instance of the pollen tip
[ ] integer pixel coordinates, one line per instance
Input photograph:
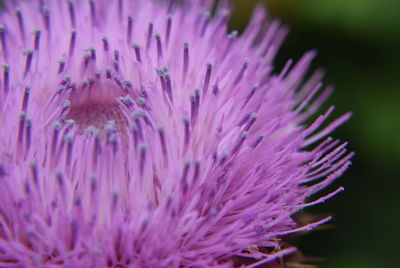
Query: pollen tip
(141, 101)
(68, 138)
(70, 123)
(137, 114)
(111, 125)
(142, 147)
(57, 126)
(28, 52)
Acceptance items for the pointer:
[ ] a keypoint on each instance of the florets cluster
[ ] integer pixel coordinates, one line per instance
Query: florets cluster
(141, 134)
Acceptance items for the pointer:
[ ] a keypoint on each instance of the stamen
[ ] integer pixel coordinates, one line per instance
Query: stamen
(25, 99)
(253, 118)
(116, 55)
(70, 144)
(129, 30)
(60, 180)
(160, 73)
(186, 131)
(86, 60)
(165, 82)
(185, 173)
(231, 37)
(110, 127)
(72, 42)
(74, 225)
(29, 55)
(46, 18)
(127, 101)
(141, 102)
(239, 143)
(168, 29)
(71, 10)
(185, 61)
(21, 24)
(27, 188)
(142, 157)
(162, 140)
(136, 47)
(69, 125)
(61, 66)
(244, 119)
(93, 184)
(224, 157)
(105, 43)
(108, 72)
(257, 141)
(149, 35)
(6, 78)
(137, 115)
(171, 4)
(54, 141)
(214, 157)
(169, 86)
(3, 171)
(120, 8)
(116, 68)
(112, 139)
(207, 77)
(135, 135)
(207, 17)
(3, 40)
(28, 133)
(159, 46)
(66, 81)
(194, 106)
(21, 127)
(97, 146)
(240, 74)
(36, 41)
(251, 94)
(93, 12)
(115, 201)
(92, 52)
(215, 90)
(34, 171)
(196, 171)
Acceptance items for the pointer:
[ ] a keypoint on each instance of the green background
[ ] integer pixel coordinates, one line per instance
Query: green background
(359, 47)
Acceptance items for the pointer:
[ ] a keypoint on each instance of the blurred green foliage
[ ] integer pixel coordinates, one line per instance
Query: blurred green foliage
(359, 47)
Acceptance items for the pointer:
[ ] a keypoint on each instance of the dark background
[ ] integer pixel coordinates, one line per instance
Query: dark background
(359, 47)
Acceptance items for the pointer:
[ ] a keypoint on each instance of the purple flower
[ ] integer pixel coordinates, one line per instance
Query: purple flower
(141, 134)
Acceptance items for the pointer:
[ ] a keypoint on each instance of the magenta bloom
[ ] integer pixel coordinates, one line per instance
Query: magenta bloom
(141, 134)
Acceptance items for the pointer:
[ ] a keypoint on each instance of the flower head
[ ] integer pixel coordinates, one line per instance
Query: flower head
(141, 134)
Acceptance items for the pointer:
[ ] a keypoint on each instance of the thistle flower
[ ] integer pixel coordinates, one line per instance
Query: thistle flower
(141, 134)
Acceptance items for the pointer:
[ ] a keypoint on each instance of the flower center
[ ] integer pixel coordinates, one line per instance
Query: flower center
(97, 115)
